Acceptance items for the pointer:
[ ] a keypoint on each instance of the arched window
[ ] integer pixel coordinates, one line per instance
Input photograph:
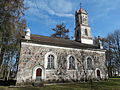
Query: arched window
(86, 32)
(89, 63)
(71, 62)
(50, 63)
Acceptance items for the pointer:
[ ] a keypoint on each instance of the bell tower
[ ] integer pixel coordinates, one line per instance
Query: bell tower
(82, 29)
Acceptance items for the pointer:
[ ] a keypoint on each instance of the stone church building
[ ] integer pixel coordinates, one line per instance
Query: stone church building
(47, 59)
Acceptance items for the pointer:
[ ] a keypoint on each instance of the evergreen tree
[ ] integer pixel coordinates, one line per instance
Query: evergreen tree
(60, 31)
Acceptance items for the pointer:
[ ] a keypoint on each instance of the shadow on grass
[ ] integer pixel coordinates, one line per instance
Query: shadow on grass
(7, 83)
(111, 84)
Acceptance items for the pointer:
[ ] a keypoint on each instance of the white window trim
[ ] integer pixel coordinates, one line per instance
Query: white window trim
(86, 62)
(96, 72)
(34, 72)
(46, 60)
(68, 63)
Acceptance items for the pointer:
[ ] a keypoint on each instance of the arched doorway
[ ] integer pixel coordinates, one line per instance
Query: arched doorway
(98, 73)
(39, 74)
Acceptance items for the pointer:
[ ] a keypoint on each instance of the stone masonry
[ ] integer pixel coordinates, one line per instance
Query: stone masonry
(32, 56)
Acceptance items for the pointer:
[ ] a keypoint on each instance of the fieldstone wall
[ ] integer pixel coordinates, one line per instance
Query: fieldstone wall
(34, 55)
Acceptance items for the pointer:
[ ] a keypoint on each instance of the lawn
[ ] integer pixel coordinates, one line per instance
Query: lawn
(111, 84)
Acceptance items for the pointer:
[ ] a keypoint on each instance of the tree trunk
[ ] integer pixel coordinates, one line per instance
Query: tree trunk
(2, 55)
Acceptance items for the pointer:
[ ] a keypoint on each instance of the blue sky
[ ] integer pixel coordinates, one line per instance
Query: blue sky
(42, 15)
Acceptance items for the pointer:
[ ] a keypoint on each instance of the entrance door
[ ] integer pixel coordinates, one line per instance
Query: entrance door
(98, 73)
(39, 74)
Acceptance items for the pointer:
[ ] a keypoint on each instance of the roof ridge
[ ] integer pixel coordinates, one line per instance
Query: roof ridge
(59, 41)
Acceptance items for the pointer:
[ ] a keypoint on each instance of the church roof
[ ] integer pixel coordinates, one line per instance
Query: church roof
(45, 40)
(82, 11)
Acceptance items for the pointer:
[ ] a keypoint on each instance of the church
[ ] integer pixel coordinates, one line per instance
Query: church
(47, 59)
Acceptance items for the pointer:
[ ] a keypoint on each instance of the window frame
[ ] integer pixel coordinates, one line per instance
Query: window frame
(34, 72)
(68, 63)
(86, 31)
(92, 63)
(46, 61)
(50, 63)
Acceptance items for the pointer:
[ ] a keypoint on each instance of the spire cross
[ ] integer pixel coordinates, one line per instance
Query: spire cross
(80, 5)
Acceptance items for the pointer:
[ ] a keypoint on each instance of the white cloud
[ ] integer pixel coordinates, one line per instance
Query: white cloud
(59, 8)
(42, 10)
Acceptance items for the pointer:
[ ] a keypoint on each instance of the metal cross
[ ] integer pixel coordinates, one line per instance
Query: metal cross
(80, 5)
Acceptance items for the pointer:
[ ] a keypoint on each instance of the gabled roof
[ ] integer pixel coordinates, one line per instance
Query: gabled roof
(45, 40)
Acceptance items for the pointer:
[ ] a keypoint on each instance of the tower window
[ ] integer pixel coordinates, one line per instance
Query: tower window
(86, 33)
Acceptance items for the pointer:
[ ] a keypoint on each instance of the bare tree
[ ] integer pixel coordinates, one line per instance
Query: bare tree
(11, 25)
(114, 48)
(112, 44)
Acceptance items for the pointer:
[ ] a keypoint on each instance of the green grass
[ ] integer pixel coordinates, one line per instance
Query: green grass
(111, 84)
